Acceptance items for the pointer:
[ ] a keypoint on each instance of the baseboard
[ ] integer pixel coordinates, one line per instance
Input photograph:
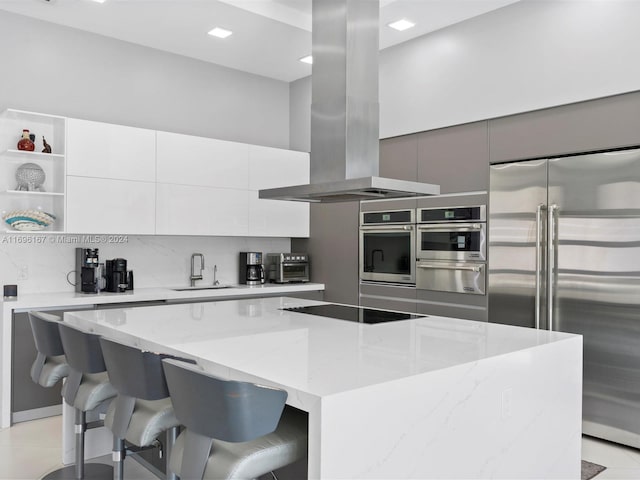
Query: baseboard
(36, 413)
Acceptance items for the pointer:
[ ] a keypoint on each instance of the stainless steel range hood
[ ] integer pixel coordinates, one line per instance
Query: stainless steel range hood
(344, 110)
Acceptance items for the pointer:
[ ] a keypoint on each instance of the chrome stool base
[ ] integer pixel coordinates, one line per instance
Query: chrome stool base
(92, 471)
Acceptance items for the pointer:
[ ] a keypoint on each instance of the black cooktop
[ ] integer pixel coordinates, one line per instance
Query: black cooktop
(353, 314)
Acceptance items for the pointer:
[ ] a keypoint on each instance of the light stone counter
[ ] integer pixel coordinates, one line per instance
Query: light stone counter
(73, 300)
(427, 398)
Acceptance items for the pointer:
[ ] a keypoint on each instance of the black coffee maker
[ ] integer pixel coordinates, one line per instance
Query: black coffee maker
(251, 271)
(119, 279)
(89, 271)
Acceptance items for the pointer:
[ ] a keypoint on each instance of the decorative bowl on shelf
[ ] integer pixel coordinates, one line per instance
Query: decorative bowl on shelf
(29, 220)
(30, 177)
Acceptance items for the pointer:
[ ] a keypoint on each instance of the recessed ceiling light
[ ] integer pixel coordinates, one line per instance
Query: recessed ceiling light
(401, 25)
(308, 59)
(99, 1)
(220, 32)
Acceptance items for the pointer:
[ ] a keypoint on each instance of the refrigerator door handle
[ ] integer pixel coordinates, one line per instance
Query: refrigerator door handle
(552, 266)
(539, 228)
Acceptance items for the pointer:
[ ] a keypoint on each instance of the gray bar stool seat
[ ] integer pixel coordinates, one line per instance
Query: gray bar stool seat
(50, 365)
(233, 429)
(87, 390)
(143, 410)
(53, 370)
(149, 419)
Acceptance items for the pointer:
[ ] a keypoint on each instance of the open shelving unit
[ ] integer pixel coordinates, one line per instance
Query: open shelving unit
(52, 199)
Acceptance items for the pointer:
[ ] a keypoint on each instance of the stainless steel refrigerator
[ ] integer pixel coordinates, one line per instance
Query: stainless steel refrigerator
(564, 254)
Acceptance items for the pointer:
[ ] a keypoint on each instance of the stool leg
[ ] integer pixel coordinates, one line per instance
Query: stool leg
(80, 427)
(172, 434)
(118, 456)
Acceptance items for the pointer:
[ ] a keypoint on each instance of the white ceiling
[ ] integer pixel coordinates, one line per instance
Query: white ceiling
(269, 36)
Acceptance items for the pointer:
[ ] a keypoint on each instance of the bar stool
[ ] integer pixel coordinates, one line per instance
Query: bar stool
(50, 365)
(233, 429)
(142, 410)
(87, 390)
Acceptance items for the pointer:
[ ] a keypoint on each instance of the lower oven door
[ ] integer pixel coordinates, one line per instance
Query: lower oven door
(457, 277)
(388, 254)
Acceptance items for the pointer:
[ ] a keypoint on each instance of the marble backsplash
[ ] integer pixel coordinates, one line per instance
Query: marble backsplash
(40, 263)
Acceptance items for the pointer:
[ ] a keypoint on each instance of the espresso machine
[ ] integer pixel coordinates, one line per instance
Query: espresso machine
(251, 270)
(89, 271)
(119, 279)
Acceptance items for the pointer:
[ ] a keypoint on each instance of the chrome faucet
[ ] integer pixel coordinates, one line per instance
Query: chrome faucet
(195, 277)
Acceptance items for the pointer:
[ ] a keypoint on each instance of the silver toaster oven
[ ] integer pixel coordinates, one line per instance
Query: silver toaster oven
(288, 267)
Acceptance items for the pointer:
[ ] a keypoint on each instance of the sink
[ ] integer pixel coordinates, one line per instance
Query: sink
(210, 287)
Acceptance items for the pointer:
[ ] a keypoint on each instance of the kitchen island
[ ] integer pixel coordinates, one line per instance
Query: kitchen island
(430, 397)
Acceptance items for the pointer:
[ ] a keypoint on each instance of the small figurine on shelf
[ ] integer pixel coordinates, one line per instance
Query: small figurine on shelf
(47, 147)
(25, 142)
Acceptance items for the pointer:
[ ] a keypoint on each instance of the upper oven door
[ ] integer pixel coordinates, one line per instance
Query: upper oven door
(452, 241)
(387, 253)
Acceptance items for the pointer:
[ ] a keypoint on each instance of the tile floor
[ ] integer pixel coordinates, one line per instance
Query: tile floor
(31, 449)
(621, 462)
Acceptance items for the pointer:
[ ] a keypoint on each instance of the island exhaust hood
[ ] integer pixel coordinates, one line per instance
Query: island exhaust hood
(344, 110)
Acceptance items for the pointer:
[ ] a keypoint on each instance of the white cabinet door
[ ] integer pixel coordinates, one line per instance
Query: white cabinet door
(275, 167)
(207, 162)
(271, 168)
(105, 150)
(277, 218)
(191, 210)
(98, 205)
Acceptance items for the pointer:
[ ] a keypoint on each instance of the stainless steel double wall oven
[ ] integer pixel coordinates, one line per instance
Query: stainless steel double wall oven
(444, 250)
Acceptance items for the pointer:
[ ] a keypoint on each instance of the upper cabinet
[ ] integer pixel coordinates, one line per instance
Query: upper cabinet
(32, 183)
(456, 158)
(275, 167)
(610, 122)
(105, 205)
(272, 168)
(399, 158)
(206, 162)
(104, 150)
(195, 210)
(210, 187)
(105, 178)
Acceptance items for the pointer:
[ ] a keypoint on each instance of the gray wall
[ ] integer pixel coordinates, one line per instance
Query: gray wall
(300, 114)
(59, 70)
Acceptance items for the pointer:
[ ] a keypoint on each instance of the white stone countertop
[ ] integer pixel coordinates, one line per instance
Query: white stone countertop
(60, 300)
(309, 354)
(54, 299)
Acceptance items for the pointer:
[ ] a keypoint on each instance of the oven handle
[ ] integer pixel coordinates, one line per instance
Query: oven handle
(439, 266)
(474, 227)
(399, 228)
